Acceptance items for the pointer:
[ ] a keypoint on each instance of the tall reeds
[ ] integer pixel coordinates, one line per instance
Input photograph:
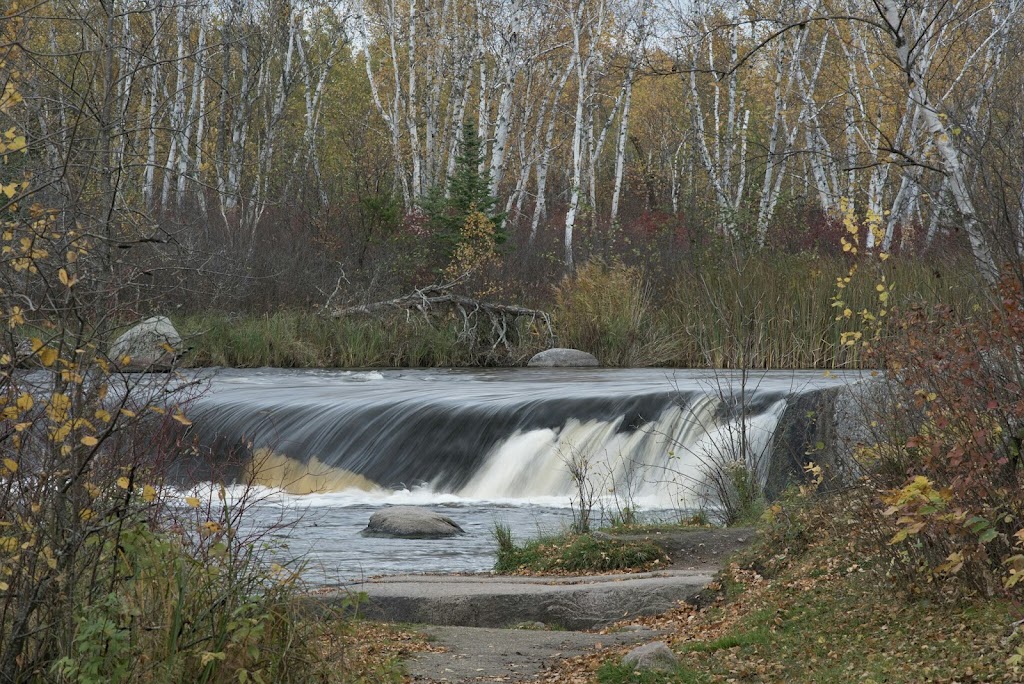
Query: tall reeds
(767, 311)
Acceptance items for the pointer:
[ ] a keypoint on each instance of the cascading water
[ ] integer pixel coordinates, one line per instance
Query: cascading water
(494, 445)
(494, 435)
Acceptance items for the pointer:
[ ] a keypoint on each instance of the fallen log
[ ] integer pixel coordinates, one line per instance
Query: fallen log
(439, 299)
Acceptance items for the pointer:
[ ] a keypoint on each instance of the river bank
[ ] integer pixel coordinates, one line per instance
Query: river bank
(709, 318)
(818, 609)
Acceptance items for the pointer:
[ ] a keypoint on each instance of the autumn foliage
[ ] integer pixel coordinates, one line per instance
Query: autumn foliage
(947, 470)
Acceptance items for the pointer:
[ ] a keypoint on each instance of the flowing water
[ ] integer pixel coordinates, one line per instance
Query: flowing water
(327, 448)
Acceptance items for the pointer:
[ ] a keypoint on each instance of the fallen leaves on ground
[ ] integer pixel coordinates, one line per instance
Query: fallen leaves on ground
(822, 618)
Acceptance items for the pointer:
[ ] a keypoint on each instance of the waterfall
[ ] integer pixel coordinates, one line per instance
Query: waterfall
(490, 435)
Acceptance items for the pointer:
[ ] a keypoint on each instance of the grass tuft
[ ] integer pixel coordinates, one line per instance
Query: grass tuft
(574, 554)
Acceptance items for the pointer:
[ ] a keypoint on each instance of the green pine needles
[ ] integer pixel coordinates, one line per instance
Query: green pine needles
(467, 192)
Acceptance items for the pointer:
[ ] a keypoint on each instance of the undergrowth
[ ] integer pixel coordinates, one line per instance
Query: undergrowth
(811, 602)
(705, 316)
(573, 554)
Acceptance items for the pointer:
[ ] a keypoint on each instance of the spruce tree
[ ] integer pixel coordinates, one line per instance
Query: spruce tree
(469, 190)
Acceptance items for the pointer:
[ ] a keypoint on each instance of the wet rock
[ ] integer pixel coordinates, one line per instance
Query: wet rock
(152, 345)
(411, 522)
(560, 357)
(655, 656)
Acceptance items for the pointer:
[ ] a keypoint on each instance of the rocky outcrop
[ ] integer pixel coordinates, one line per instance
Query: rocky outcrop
(411, 522)
(656, 656)
(560, 357)
(152, 345)
(826, 427)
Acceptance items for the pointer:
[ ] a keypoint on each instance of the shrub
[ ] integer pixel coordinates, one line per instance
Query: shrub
(607, 311)
(574, 553)
(105, 576)
(948, 470)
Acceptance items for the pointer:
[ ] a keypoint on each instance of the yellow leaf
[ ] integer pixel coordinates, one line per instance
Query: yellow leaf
(67, 281)
(148, 493)
(127, 413)
(180, 417)
(4, 586)
(11, 465)
(123, 482)
(86, 514)
(209, 527)
(192, 501)
(25, 401)
(89, 440)
(48, 355)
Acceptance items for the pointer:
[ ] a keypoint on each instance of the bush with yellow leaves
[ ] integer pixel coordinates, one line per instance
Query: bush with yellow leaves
(104, 575)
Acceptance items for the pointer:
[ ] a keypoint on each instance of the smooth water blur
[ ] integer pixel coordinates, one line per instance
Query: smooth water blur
(325, 537)
(482, 446)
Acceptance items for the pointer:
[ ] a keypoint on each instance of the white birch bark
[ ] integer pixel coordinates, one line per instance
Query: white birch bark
(540, 207)
(411, 114)
(895, 17)
(620, 145)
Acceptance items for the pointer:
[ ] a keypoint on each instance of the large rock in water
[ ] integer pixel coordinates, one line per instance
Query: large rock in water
(411, 522)
(560, 357)
(152, 345)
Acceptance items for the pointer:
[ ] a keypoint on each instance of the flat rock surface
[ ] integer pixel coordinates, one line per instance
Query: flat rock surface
(501, 601)
(470, 615)
(476, 654)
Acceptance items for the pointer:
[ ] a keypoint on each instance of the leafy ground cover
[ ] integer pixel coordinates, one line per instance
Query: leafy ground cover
(575, 554)
(821, 611)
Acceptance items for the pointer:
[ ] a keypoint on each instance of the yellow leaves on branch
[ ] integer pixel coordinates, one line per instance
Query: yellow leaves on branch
(210, 527)
(11, 142)
(9, 98)
(192, 502)
(47, 355)
(58, 407)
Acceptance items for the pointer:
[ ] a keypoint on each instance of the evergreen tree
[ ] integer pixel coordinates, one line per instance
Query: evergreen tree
(469, 191)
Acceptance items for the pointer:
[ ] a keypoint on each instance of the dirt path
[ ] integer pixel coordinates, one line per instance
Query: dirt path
(477, 654)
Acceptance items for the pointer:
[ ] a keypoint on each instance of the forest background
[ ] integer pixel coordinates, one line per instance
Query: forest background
(247, 158)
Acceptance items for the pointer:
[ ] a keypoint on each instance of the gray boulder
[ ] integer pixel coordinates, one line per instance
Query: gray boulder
(152, 345)
(411, 522)
(559, 357)
(655, 656)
